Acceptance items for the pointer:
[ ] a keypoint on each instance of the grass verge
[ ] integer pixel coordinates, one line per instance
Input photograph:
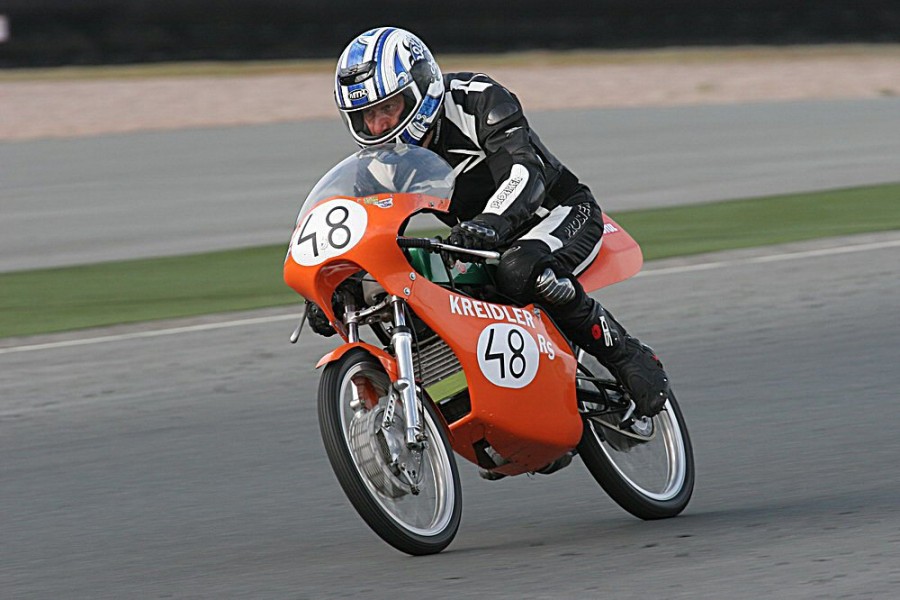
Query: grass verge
(49, 300)
(684, 230)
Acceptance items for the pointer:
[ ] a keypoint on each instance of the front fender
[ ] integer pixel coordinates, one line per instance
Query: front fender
(386, 360)
(390, 366)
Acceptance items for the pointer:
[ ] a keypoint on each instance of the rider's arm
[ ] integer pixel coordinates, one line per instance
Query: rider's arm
(504, 134)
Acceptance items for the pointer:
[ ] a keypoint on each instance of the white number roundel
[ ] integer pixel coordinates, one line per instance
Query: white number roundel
(507, 355)
(329, 230)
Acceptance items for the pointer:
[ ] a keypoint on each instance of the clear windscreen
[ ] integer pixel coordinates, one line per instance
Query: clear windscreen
(391, 168)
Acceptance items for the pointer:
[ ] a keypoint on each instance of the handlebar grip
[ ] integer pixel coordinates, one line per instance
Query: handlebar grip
(405, 242)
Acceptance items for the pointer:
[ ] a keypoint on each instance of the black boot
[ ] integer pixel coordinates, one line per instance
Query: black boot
(632, 363)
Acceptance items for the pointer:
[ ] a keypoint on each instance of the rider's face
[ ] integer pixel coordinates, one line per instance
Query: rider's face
(383, 116)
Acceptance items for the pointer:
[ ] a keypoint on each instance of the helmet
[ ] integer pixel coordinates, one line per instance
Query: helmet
(382, 63)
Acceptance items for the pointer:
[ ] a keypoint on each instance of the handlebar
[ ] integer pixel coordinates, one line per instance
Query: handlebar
(435, 244)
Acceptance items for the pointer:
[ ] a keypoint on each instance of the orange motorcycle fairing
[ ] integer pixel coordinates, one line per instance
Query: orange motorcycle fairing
(519, 369)
(376, 224)
(620, 257)
(520, 373)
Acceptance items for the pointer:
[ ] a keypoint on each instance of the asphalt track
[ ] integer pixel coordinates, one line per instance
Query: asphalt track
(75, 201)
(189, 464)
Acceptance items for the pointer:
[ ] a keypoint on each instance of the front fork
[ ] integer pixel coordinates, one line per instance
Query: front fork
(405, 385)
(402, 343)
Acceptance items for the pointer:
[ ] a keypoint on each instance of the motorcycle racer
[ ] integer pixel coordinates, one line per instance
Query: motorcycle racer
(511, 192)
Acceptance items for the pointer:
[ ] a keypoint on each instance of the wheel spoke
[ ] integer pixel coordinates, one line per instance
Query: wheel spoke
(379, 464)
(647, 467)
(654, 465)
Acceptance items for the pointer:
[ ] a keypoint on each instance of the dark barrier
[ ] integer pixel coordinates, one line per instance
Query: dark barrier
(67, 32)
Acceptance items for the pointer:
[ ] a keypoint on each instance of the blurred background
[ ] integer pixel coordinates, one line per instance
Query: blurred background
(85, 32)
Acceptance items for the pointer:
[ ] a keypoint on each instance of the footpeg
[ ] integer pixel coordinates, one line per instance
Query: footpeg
(490, 475)
(560, 463)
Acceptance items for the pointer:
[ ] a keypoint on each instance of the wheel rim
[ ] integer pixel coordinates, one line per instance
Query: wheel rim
(657, 467)
(427, 513)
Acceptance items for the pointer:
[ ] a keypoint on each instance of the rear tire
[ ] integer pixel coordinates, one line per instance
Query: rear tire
(651, 473)
(366, 459)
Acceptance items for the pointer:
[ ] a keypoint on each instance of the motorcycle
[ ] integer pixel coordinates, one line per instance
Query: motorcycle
(455, 369)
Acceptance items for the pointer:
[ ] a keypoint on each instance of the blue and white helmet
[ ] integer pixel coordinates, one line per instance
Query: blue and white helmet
(382, 63)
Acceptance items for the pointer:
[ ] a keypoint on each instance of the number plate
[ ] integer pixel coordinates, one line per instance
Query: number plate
(329, 230)
(508, 355)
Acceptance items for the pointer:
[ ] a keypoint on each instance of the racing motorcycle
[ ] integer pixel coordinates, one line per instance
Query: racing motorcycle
(449, 367)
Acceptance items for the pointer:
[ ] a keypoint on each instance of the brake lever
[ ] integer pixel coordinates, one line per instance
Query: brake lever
(296, 334)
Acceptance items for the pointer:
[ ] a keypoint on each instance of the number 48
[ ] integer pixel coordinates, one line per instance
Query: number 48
(516, 358)
(335, 224)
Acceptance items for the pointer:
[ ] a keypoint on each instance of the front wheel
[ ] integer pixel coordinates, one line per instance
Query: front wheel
(410, 497)
(647, 468)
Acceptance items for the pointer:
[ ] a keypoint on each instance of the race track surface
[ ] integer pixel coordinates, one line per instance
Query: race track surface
(189, 465)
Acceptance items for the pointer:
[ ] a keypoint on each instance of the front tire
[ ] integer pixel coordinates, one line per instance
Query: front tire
(411, 499)
(649, 469)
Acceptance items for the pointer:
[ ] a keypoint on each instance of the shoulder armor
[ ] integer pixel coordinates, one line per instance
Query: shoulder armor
(501, 113)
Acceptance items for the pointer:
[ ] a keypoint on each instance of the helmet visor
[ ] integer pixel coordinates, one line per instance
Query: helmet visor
(383, 120)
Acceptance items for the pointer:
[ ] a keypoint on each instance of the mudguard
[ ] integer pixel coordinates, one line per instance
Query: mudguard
(386, 360)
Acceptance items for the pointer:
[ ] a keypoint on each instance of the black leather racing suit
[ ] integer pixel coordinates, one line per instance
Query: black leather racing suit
(508, 180)
(503, 169)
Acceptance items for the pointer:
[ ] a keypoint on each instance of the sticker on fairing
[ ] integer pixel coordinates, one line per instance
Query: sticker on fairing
(508, 356)
(329, 230)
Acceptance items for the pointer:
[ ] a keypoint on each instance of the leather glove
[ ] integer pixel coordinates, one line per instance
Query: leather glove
(485, 232)
(318, 321)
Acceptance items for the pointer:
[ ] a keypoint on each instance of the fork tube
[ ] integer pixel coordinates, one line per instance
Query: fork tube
(351, 320)
(402, 342)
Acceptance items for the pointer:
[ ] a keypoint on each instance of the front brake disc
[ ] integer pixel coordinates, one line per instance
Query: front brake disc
(371, 452)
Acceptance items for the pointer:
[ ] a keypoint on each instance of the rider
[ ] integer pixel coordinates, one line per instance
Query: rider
(510, 192)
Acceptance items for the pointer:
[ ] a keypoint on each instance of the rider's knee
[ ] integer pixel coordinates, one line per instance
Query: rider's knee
(519, 268)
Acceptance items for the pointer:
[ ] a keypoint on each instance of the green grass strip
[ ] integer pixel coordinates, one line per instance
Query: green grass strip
(140, 290)
(67, 298)
(694, 229)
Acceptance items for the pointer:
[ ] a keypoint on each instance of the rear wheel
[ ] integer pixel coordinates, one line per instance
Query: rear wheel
(647, 468)
(410, 497)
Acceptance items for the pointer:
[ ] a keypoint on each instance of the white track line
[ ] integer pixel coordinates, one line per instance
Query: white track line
(771, 258)
(152, 333)
(260, 320)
